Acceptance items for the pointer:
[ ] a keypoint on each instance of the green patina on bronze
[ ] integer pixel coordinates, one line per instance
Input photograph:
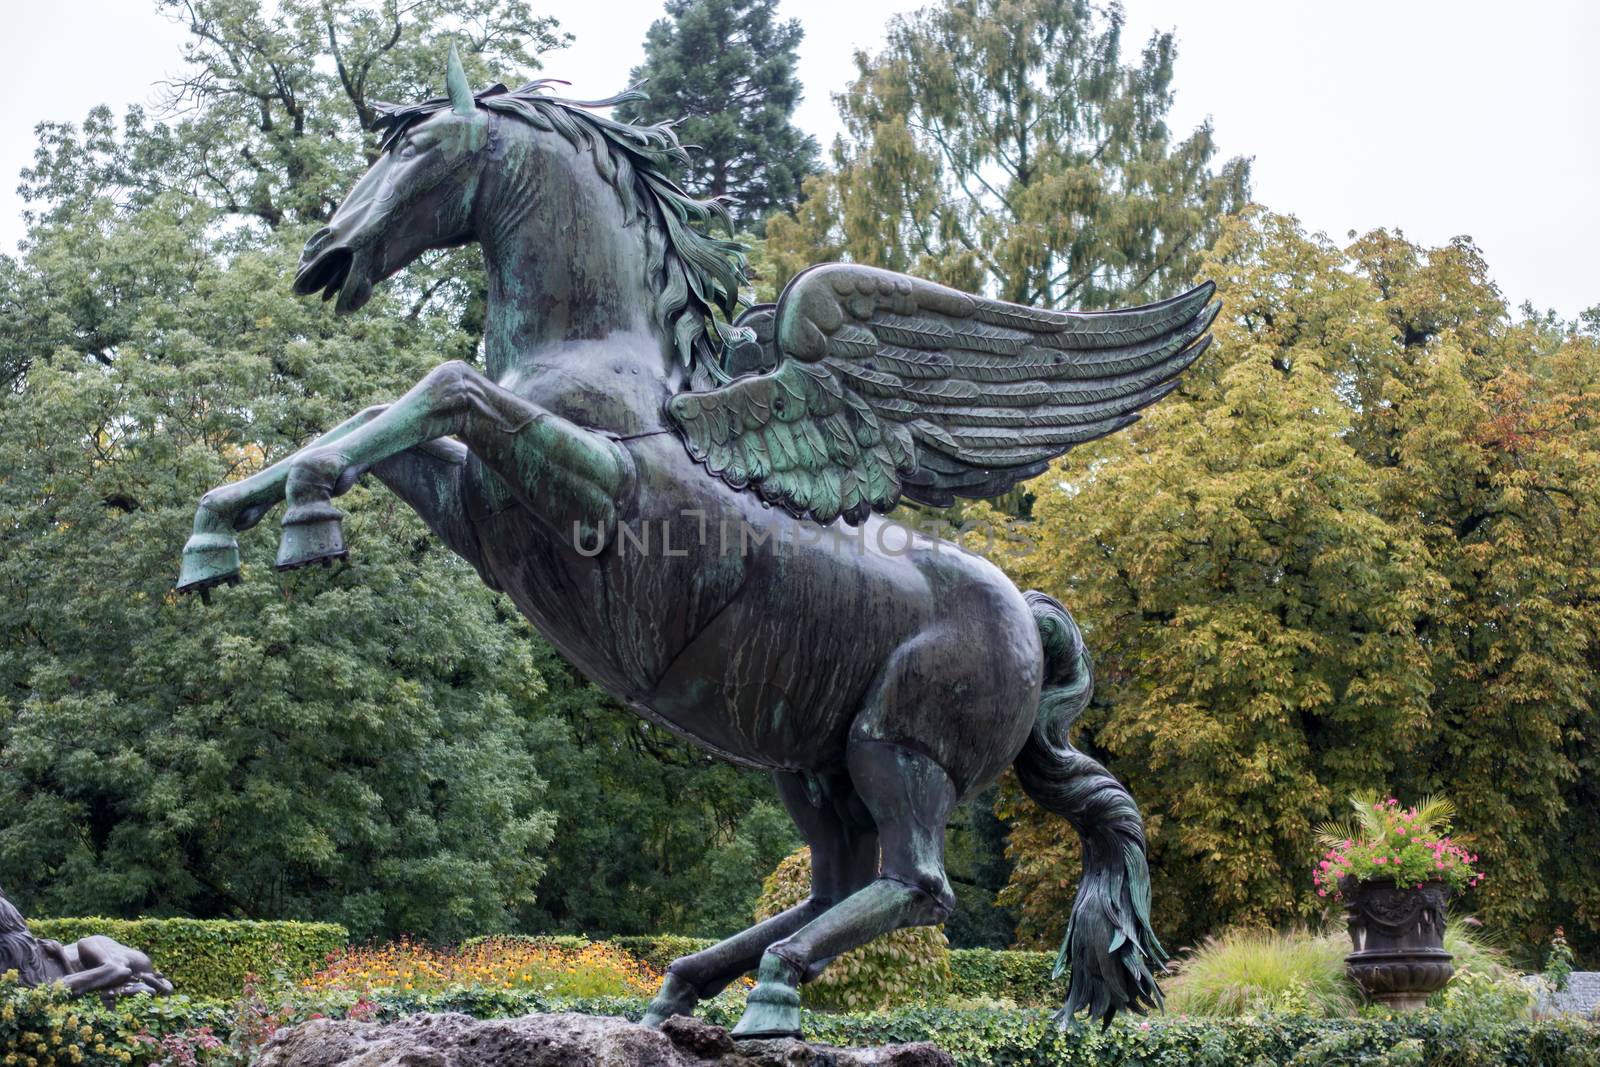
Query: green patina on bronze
(665, 499)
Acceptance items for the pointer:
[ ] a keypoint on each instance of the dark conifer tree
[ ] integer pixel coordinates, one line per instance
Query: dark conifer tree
(726, 69)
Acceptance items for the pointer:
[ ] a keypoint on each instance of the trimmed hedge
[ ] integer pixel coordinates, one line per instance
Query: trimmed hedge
(211, 957)
(1022, 977)
(975, 1038)
(975, 973)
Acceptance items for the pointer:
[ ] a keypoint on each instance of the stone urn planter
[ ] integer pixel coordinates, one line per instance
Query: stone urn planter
(1398, 936)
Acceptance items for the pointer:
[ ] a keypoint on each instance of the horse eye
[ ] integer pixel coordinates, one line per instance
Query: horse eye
(408, 150)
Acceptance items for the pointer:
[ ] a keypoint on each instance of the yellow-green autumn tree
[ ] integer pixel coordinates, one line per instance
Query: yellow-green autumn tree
(1356, 549)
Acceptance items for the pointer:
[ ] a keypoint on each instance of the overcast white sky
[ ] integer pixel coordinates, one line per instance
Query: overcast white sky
(1440, 117)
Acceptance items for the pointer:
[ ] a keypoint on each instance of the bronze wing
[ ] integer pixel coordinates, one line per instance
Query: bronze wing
(889, 386)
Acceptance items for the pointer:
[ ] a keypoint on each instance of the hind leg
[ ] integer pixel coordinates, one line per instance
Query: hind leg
(909, 797)
(844, 856)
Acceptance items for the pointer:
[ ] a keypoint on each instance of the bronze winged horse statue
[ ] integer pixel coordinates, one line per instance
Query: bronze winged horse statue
(881, 682)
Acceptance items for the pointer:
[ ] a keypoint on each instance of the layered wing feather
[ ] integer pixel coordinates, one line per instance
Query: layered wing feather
(889, 386)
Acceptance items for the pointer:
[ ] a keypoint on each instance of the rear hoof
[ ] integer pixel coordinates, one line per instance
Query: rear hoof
(311, 534)
(772, 1010)
(675, 997)
(209, 560)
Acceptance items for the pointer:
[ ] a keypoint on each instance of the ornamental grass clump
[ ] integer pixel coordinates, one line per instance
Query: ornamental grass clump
(1382, 840)
(556, 969)
(1262, 972)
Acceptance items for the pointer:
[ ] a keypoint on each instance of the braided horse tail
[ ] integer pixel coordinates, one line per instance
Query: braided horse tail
(1110, 951)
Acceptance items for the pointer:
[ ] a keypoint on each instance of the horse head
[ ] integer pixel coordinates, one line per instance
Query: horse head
(419, 195)
(520, 171)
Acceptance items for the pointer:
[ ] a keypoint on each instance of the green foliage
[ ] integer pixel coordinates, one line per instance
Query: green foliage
(1260, 972)
(975, 861)
(269, 110)
(47, 1028)
(1257, 972)
(211, 958)
(726, 68)
(1355, 549)
(1003, 146)
(654, 834)
(1476, 951)
(1022, 978)
(1473, 996)
(1558, 962)
(896, 968)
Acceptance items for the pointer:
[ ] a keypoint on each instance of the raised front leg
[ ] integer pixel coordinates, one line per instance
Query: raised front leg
(211, 555)
(571, 477)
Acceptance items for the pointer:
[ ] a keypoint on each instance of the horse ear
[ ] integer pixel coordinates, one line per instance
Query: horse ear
(455, 81)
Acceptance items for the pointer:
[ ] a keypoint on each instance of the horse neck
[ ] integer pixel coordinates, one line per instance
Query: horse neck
(569, 313)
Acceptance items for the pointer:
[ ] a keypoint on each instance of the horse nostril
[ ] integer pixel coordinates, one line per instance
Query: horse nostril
(318, 239)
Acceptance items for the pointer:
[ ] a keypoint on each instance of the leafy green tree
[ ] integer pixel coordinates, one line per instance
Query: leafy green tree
(726, 68)
(1002, 145)
(1353, 551)
(350, 744)
(353, 745)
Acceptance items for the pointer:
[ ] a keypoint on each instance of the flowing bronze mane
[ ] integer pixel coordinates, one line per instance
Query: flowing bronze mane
(691, 272)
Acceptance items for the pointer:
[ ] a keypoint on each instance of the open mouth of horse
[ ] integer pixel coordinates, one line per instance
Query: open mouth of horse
(334, 273)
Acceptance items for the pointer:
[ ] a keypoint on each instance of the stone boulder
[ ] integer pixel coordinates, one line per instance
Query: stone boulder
(560, 1041)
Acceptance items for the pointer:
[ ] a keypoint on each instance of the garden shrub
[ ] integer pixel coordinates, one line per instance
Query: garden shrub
(211, 957)
(47, 1027)
(906, 965)
(659, 950)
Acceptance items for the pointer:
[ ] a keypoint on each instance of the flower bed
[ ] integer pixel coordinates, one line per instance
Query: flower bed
(563, 967)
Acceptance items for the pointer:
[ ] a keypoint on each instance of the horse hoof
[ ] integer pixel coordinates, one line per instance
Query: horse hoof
(772, 1010)
(311, 534)
(675, 997)
(209, 560)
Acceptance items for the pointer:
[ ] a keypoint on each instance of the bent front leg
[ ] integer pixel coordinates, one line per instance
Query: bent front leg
(570, 477)
(211, 555)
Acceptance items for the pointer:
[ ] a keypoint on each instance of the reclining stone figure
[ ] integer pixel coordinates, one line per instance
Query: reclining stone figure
(94, 964)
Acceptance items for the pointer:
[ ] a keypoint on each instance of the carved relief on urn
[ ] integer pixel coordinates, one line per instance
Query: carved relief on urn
(1398, 936)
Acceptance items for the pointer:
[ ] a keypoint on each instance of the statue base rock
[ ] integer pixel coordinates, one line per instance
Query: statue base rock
(454, 1040)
